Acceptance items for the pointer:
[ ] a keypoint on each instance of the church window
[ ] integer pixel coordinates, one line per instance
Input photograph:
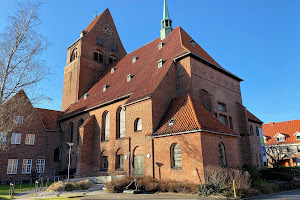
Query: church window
(120, 123)
(119, 162)
(80, 122)
(57, 155)
(71, 131)
(176, 156)
(223, 119)
(104, 163)
(73, 55)
(115, 48)
(112, 46)
(222, 155)
(101, 42)
(222, 107)
(230, 123)
(160, 63)
(97, 40)
(98, 57)
(257, 131)
(111, 60)
(251, 129)
(138, 124)
(106, 126)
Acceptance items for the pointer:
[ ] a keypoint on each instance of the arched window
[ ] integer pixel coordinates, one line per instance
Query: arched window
(257, 131)
(105, 125)
(80, 122)
(56, 155)
(222, 155)
(176, 156)
(120, 123)
(119, 160)
(251, 129)
(71, 131)
(73, 55)
(138, 124)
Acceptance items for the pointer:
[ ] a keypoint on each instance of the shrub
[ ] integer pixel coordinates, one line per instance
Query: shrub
(276, 174)
(84, 184)
(210, 188)
(118, 185)
(179, 187)
(148, 183)
(71, 187)
(55, 187)
(252, 169)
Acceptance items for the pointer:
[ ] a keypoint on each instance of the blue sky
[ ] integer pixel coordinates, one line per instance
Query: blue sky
(258, 40)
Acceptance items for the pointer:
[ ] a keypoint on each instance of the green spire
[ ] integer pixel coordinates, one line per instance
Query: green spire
(166, 23)
(166, 10)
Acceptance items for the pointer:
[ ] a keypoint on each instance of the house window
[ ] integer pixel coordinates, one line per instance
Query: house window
(298, 149)
(280, 139)
(138, 124)
(71, 131)
(298, 137)
(12, 166)
(223, 119)
(16, 138)
(222, 155)
(3, 136)
(257, 131)
(57, 155)
(222, 107)
(104, 163)
(98, 57)
(230, 123)
(18, 119)
(26, 167)
(121, 123)
(106, 124)
(30, 139)
(120, 161)
(251, 129)
(176, 156)
(40, 166)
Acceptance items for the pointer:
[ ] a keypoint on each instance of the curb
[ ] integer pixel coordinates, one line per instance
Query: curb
(269, 194)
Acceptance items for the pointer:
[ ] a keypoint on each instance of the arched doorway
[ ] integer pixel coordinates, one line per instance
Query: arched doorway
(138, 161)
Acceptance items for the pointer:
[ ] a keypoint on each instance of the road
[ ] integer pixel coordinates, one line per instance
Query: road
(293, 195)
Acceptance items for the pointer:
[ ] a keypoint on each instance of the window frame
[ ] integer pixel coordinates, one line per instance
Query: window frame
(27, 166)
(174, 164)
(16, 138)
(105, 126)
(18, 119)
(3, 137)
(120, 162)
(13, 166)
(222, 107)
(103, 163)
(138, 123)
(225, 117)
(40, 166)
(30, 139)
(222, 154)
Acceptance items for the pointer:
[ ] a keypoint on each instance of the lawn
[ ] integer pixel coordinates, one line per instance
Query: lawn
(4, 190)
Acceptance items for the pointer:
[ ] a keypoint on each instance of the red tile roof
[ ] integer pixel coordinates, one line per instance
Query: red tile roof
(189, 115)
(252, 117)
(146, 74)
(92, 24)
(49, 118)
(288, 128)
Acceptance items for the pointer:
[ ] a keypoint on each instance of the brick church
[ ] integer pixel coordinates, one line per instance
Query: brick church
(165, 110)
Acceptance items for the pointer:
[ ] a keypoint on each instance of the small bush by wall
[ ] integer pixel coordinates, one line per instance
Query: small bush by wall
(60, 186)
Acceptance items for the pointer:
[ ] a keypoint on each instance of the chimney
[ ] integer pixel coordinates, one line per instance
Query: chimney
(272, 123)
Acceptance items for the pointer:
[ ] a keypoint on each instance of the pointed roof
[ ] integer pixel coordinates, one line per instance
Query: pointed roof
(287, 128)
(166, 11)
(93, 23)
(189, 115)
(145, 68)
(49, 118)
(253, 118)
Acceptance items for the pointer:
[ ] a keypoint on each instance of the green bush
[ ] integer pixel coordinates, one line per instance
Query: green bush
(210, 188)
(252, 169)
(71, 187)
(276, 174)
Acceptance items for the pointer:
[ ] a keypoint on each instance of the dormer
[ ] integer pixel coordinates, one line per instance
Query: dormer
(297, 135)
(280, 137)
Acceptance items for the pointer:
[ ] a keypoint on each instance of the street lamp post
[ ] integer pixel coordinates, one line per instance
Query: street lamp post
(70, 145)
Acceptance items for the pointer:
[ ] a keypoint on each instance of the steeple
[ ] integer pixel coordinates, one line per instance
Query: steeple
(166, 23)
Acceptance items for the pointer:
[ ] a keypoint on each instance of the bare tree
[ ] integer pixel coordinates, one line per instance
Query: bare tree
(22, 45)
(276, 153)
(21, 67)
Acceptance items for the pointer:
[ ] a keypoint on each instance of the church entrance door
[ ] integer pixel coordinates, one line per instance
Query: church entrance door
(139, 165)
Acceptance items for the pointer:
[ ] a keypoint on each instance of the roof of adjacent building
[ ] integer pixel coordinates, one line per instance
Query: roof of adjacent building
(185, 114)
(49, 118)
(287, 128)
(253, 118)
(146, 74)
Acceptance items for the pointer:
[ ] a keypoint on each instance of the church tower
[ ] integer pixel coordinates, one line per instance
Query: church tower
(99, 45)
(166, 23)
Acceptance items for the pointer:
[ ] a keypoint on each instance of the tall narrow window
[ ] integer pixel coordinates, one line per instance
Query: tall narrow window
(30, 139)
(230, 123)
(257, 131)
(138, 124)
(80, 122)
(176, 156)
(106, 125)
(12, 166)
(100, 42)
(26, 168)
(57, 155)
(40, 166)
(97, 40)
(121, 123)
(71, 131)
(115, 48)
(73, 55)
(222, 155)
(3, 136)
(223, 119)
(119, 162)
(112, 46)
(251, 129)
(104, 163)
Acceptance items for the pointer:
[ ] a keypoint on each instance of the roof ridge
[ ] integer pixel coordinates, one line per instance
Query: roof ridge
(180, 36)
(193, 110)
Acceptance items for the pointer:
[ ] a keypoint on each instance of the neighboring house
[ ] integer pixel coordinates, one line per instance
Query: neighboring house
(257, 143)
(166, 110)
(28, 149)
(283, 139)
